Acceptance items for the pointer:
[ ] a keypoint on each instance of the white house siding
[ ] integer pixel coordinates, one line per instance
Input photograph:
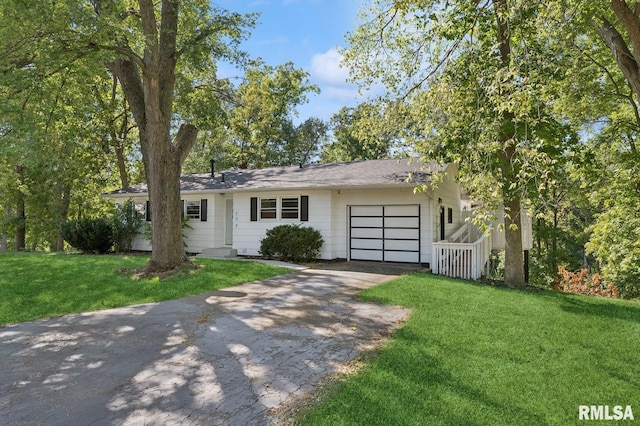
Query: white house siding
(202, 235)
(247, 234)
(447, 194)
(382, 197)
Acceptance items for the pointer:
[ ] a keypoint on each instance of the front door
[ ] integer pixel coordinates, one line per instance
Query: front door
(228, 221)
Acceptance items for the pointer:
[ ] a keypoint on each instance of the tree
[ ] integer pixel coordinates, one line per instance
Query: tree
(627, 59)
(308, 138)
(152, 48)
(465, 83)
(148, 81)
(54, 153)
(359, 133)
(260, 121)
(601, 42)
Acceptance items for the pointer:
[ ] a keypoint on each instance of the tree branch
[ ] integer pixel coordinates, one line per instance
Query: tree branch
(129, 78)
(624, 58)
(184, 141)
(124, 51)
(629, 20)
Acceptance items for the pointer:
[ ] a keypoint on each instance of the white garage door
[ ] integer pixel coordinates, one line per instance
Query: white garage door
(385, 233)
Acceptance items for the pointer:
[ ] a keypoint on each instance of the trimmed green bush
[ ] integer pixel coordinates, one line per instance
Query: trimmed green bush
(292, 243)
(89, 235)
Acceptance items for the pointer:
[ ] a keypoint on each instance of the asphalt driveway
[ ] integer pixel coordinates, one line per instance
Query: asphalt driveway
(229, 357)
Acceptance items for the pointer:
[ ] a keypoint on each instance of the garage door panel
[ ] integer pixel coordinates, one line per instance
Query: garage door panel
(412, 210)
(396, 233)
(357, 243)
(401, 222)
(404, 245)
(366, 233)
(366, 222)
(366, 255)
(401, 256)
(366, 211)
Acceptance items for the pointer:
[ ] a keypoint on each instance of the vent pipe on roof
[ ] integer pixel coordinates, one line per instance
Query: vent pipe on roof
(213, 168)
(222, 177)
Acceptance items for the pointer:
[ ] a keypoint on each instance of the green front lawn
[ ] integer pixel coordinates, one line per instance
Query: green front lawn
(42, 285)
(480, 355)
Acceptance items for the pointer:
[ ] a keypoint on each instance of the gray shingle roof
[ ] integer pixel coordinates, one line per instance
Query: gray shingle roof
(370, 173)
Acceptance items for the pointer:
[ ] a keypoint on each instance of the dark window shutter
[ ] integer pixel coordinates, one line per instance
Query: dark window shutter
(254, 209)
(304, 208)
(182, 208)
(203, 210)
(147, 211)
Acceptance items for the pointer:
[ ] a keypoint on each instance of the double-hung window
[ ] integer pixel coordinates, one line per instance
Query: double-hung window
(268, 208)
(278, 208)
(290, 208)
(192, 209)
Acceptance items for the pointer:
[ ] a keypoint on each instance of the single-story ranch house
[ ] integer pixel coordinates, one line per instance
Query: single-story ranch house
(365, 210)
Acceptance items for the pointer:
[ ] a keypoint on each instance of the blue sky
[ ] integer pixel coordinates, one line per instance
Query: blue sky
(307, 33)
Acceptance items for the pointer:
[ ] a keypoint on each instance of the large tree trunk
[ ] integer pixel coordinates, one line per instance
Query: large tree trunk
(163, 180)
(513, 253)
(148, 84)
(513, 256)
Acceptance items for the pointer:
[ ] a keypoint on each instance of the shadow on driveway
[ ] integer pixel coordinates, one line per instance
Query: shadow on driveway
(226, 357)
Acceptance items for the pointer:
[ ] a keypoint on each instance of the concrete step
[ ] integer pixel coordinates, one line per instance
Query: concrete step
(218, 253)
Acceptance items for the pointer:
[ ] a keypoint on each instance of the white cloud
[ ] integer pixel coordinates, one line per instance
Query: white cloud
(327, 68)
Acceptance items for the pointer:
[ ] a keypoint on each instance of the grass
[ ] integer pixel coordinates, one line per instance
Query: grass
(36, 286)
(478, 355)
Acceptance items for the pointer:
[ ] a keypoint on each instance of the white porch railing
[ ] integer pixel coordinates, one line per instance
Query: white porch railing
(464, 255)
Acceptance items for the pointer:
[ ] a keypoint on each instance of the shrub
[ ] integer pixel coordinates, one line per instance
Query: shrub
(580, 282)
(615, 242)
(89, 235)
(126, 225)
(292, 243)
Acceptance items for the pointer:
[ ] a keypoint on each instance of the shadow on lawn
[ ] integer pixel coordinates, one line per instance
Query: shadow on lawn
(409, 384)
(593, 306)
